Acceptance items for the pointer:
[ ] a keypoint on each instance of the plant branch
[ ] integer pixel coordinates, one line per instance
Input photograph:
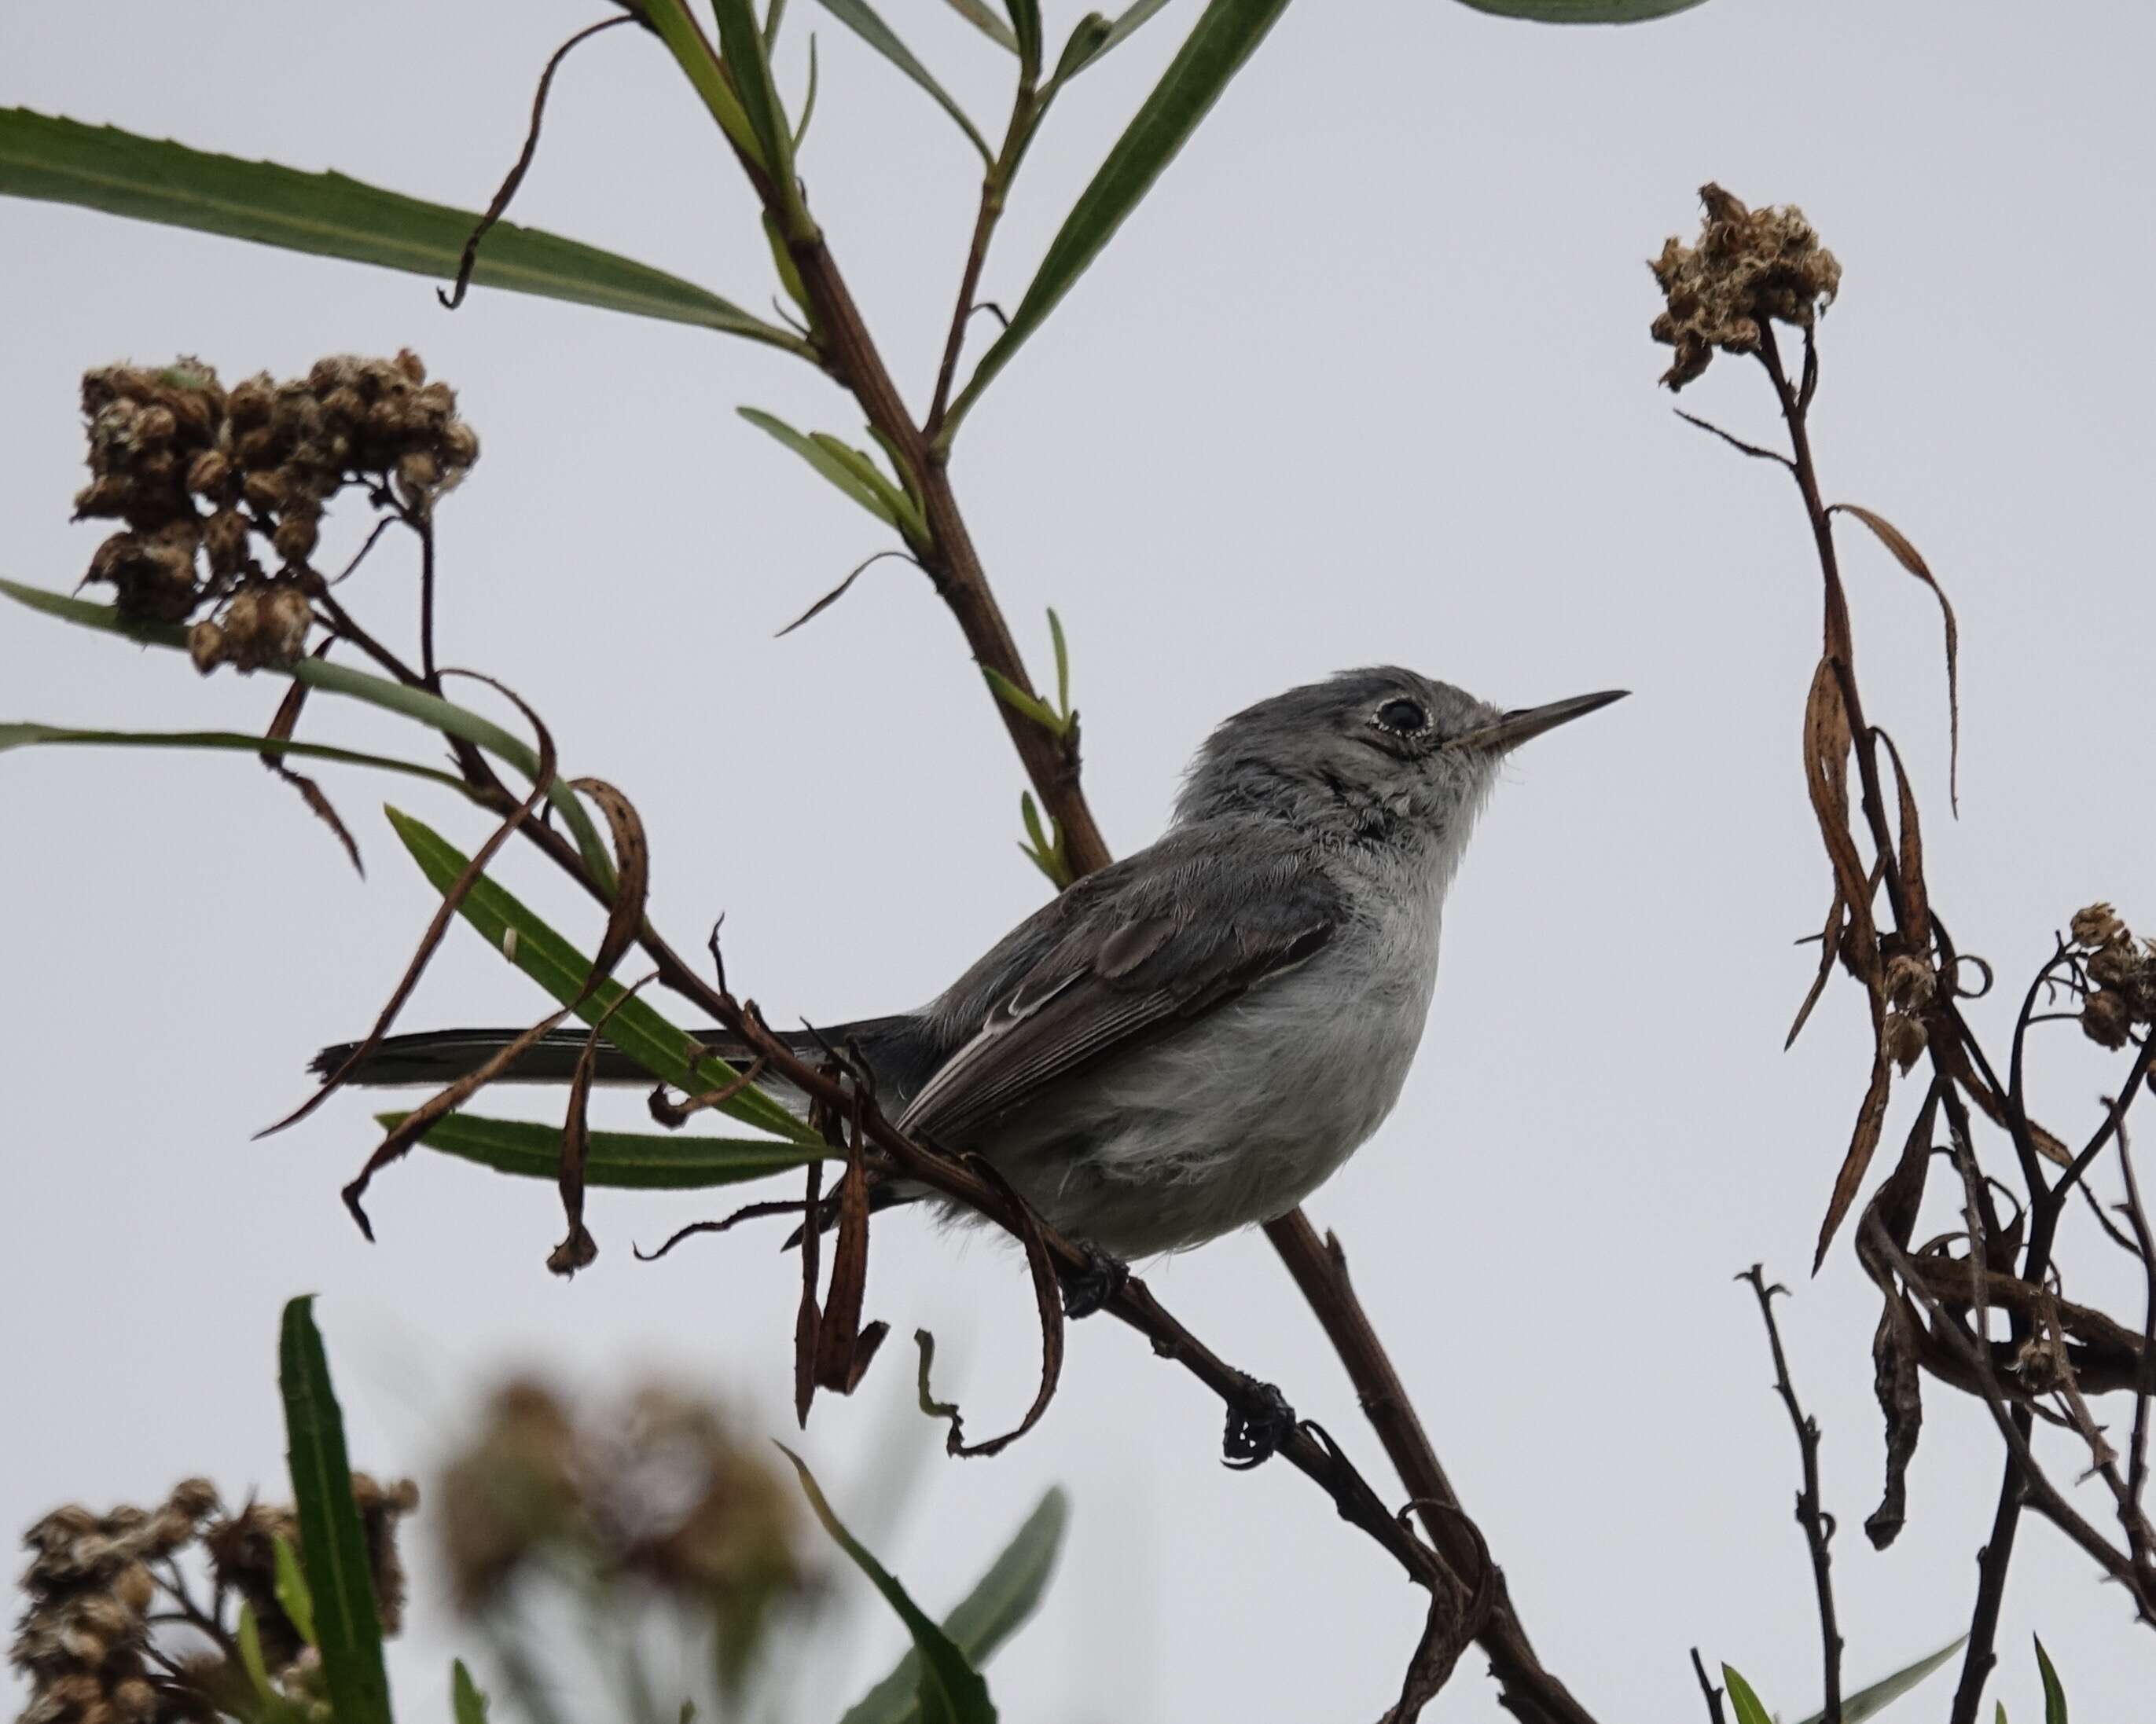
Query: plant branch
(1818, 1524)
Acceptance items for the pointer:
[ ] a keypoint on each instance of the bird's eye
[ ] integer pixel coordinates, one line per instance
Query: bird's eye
(1404, 716)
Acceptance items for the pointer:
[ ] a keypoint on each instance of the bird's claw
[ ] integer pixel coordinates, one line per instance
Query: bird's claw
(1252, 1438)
(1086, 1290)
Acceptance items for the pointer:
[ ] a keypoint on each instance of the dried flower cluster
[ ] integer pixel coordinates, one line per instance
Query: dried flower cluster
(1748, 266)
(95, 1583)
(199, 473)
(667, 1495)
(2122, 976)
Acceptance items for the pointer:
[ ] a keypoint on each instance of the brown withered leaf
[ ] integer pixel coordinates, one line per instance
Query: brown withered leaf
(843, 1347)
(1048, 1297)
(316, 799)
(452, 900)
(807, 1317)
(674, 1115)
(632, 856)
(1907, 554)
(1896, 1376)
(422, 1119)
(1871, 1118)
(579, 1249)
(1993, 1107)
(1827, 743)
(1916, 895)
(1456, 1616)
(839, 592)
(1829, 949)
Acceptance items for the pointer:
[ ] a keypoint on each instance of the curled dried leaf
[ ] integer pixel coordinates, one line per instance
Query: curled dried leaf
(1907, 554)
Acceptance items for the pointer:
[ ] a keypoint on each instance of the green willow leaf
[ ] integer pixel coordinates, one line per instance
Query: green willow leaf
(693, 53)
(333, 1541)
(741, 40)
(1743, 1703)
(429, 709)
(1016, 698)
(293, 1598)
(1085, 47)
(330, 215)
(844, 474)
(1582, 11)
(2055, 1696)
(950, 1690)
(862, 19)
(31, 735)
(632, 1025)
(1025, 30)
(1869, 1702)
(983, 18)
(467, 1704)
(996, 1609)
(1225, 35)
(636, 1160)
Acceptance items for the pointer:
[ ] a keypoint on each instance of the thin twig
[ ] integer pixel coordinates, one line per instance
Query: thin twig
(1713, 1694)
(1818, 1524)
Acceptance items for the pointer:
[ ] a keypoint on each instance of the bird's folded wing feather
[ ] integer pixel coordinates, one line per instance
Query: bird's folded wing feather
(1150, 944)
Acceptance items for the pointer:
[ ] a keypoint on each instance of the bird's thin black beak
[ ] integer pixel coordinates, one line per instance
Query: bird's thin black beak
(1515, 728)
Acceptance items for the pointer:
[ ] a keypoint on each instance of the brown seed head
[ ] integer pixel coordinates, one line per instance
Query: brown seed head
(2107, 1017)
(1748, 267)
(2098, 925)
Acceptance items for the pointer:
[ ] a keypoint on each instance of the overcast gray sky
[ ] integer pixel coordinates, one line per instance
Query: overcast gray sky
(1366, 378)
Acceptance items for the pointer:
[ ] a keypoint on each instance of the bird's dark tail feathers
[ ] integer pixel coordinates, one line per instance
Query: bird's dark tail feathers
(441, 1056)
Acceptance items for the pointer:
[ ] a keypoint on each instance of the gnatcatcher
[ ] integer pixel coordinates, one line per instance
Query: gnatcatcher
(1192, 1039)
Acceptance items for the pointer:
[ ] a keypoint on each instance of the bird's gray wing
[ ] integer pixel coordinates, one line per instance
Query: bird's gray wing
(1153, 942)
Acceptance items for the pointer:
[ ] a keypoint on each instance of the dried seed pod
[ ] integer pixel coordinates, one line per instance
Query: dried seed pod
(2107, 1017)
(209, 475)
(1749, 266)
(2098, 925)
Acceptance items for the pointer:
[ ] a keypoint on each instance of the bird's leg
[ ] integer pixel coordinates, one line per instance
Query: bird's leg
(1086, 1290)
(1253, 1437)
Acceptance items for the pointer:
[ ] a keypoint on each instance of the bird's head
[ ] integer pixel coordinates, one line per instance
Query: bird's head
(1380, 754)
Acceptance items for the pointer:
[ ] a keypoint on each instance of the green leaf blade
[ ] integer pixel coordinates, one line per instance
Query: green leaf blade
(1582, 11)
(951, 1690)
(1226, 34)
(626, 1161)
(467, 1704)
(1743, 1703)
(2054, 1693)
(332, 215)
(999, 1605)
(1869, 1702)
(839, 472)
(332, 1540)
(632, 1025)
(864, 21)
(293, 1598)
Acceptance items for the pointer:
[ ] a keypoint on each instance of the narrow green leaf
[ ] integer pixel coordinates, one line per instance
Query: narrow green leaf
(861, 19)
(1582, 11)
(1031, 815)
(635, 1027)
(951, 1690)
(330, 215)
(1025, 30)
(1999, 1715)
(904, 513)
(638, 1161)
(1225, 35)
(467, 1704)
(839, 472)
(996, 1608)
(693, 53)
(808, 100)
(1869, 1702)
(978, 13)
(1012, 695)
(27, 736)
(1062, 662)
(1743, 1701)
(429, 709)
(740, 43)
(2055, 1697)
(1095, 36)
(251, 1660)
(292, 1597)
(333, 1541)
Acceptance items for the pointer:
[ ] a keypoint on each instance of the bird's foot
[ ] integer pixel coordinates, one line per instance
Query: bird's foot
(1087, 1289)
(1253, 1438)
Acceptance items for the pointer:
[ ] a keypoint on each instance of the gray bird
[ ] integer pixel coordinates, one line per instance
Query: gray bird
(1195, 1038)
